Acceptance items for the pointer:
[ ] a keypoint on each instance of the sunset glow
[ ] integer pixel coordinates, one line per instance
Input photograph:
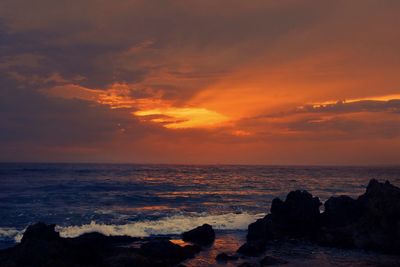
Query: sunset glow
(372, 98)
(271, 82)
(180, 118)
(126, 123)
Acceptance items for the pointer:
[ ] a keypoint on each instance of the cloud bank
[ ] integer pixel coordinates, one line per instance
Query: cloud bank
(288, 82)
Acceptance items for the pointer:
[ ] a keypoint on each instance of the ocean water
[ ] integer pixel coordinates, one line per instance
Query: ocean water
(143, 200)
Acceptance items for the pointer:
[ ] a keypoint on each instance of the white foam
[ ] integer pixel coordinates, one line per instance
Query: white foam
(165, 226)
(10, 233)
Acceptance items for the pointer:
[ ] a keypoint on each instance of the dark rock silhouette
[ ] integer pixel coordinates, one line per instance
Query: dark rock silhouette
(262, 229)
(247, 264)
(41, 246)
(40, 231)
(340, 211)
(226, 257)
(372, 221)
(297, 216)
(202, 235)
(269, 261)
(252, 248)
(164, 251)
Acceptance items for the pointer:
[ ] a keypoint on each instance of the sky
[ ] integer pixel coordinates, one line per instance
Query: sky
(291, 82)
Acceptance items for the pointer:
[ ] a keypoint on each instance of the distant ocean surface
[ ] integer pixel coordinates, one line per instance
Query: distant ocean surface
(143, 200)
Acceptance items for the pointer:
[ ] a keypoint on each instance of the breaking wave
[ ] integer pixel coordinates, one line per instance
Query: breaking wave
(165, 226)
(8, 232)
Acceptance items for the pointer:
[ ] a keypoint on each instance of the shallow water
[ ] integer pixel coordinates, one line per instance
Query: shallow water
(142, 200)
(295, 253)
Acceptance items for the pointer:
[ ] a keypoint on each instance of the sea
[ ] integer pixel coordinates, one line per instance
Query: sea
(156, 200)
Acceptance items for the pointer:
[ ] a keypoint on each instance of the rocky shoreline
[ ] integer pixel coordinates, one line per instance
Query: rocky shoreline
(370, 222)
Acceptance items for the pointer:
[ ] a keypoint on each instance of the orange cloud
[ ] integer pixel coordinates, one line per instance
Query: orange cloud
(153, 109)
(354, 100)
(178, 118)
(199, 65)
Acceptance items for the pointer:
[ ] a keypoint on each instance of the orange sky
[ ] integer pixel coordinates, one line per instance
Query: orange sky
(254, 82)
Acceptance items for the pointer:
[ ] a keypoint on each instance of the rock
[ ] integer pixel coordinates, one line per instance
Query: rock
(261, 229)
(338, 221)
(202, 235)
(379, 225)
(340, 211)
(247, 264)
(269, 261)
(42, 246)
(226, 257)
(165, 250)
(40, 231)
(372, 221)
(252, 248)
(369, 222)
(341, 237)
(128, 259)
(297, 216)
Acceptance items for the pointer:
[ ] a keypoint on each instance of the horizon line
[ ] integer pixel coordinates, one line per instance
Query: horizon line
(198, 164)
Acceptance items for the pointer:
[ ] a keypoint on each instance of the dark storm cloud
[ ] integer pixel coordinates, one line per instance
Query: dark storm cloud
(340, 107)
(89, 60)
(91, 38)
(355, 120)
(31, 123)
(347, 128)
(357, 106)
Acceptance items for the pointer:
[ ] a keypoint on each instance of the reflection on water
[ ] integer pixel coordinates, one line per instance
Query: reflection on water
(227, 242)
(296, 253)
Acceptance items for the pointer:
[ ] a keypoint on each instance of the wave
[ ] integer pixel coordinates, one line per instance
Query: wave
(165, 226)
(8, 234)
(169, 225)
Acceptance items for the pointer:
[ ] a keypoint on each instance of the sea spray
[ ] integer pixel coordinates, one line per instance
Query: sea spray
(164, 226)
(171, 225)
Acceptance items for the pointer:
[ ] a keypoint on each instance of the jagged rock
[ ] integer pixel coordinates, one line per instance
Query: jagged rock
(247, 264)
(340, 211)
(338, 221)
(336, 236)
(379, 226)
(166, 251)
(202, 235)
(371, 221)
(40, 231)
(42, 246)
(269, 261)
(252, 248)
(261, 229)
(297, 216)
(128, 259)
(226, 257)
